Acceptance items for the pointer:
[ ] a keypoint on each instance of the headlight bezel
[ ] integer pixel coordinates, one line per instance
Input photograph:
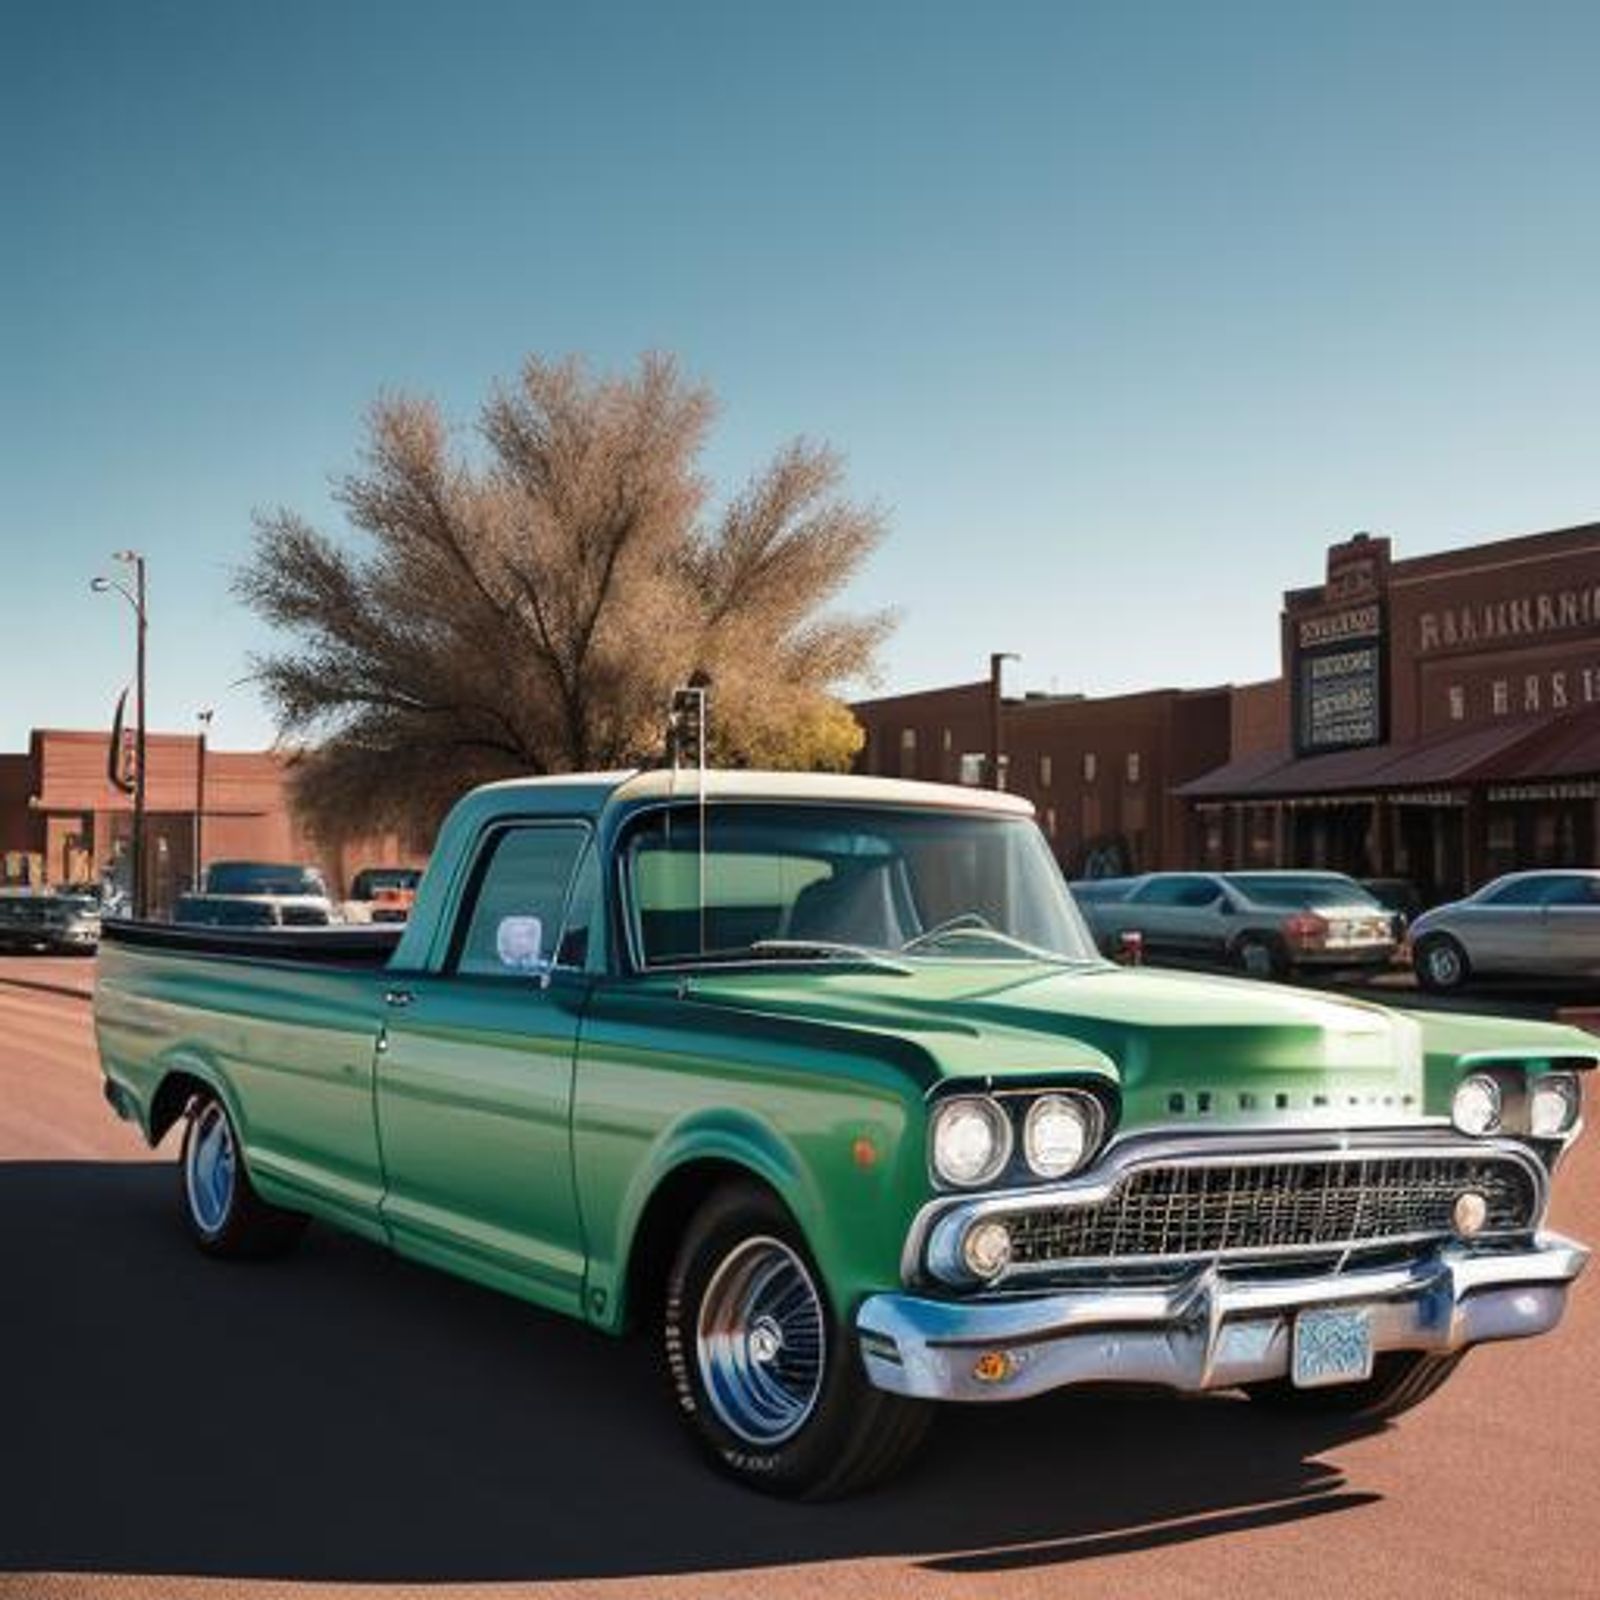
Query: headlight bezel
(1568, 1087)
(990, 1109)
(1090, 1118)
(1013, 1106)
(1489, 1090)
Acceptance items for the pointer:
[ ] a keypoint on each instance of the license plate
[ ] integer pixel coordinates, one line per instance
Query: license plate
(1332, 1346)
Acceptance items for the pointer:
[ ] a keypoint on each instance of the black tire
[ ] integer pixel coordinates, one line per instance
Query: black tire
(228, 1220)
(851, 1435)
(1400, 1380)
(1441, 964)
(1260, 957)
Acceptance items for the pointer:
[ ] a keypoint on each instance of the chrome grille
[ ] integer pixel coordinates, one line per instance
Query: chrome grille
(1189, 1209)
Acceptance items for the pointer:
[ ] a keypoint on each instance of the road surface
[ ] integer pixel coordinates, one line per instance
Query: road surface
(344, 1423)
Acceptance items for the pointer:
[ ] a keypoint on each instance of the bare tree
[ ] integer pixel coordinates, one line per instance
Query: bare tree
(529, 608)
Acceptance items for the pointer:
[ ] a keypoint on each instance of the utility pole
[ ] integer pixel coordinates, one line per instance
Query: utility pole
(136, 599)
(997, 778)
(204, 719)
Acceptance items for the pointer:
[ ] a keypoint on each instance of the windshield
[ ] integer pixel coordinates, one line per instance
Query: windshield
(1302, 892)
(262, 877)
(871, 882)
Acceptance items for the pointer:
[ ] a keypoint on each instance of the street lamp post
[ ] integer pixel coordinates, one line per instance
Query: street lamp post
(204, 719)
(136, 599)
(996, 744)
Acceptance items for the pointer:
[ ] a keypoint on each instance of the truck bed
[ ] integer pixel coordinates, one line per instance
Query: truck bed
(364, 946)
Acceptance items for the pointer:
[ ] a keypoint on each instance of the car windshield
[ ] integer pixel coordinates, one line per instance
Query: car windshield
(262, 877)
(868, 883)
(1298, 892)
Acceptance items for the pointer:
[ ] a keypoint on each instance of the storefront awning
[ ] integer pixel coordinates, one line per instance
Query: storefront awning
(1524, 750)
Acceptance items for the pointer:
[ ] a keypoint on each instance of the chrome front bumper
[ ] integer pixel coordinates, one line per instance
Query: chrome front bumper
(1208, 1331)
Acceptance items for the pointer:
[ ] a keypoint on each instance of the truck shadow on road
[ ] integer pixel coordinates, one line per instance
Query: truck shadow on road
(344, 1415)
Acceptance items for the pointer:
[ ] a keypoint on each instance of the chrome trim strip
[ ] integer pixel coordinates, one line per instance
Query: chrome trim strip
(949, 1215)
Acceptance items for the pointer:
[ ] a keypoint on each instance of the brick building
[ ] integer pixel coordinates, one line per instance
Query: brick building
(1102, 772)
(1438, 719)
(62, 821)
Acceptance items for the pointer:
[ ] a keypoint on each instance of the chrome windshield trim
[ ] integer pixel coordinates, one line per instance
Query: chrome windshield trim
(952, 1213)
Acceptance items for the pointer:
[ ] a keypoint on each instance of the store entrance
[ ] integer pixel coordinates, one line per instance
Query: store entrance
(1335, 838)
(1430, 850)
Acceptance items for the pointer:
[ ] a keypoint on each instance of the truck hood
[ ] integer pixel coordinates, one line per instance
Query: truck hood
(1175, 1044)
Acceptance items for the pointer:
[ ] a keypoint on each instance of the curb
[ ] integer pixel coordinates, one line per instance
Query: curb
(44, 986)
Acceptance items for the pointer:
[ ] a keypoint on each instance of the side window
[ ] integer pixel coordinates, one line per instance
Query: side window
(1520, 892)
(1573, 891)
(515, 915)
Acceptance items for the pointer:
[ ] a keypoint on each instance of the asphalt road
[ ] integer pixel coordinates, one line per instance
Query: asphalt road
(343, 1422)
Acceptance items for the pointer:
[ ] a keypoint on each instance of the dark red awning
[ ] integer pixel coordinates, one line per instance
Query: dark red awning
(1527, 749)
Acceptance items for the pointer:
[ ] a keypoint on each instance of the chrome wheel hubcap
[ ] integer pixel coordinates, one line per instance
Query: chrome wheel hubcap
(760, 1342)
(1442, 964)
(210, 1167)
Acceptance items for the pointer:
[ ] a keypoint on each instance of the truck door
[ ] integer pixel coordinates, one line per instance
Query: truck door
(474, 1082)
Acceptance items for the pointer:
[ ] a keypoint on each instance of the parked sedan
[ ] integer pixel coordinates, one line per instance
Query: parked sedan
(65, 923)
(1266, 923)
(1525, 924)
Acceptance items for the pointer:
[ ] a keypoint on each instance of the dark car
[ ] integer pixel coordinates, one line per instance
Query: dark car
(64, 922)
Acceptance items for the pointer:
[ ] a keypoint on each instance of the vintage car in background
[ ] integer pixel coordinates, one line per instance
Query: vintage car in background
(1522, 925)
(382, 894)
(298, 894)
(1267, 924)
(50, 921)
(235, 911)
(822, 1083)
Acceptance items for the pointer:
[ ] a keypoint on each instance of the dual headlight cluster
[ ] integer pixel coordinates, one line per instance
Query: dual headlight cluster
(1549, 1110)
(974, 1138)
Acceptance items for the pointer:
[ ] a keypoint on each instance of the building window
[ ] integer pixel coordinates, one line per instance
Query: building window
(949, 741)
(1135, 766)
(1045, 775)
(1050, 821)
(1501, 694)
(972, 765)
(1458, 703)
(1091, 766)
(908, 752)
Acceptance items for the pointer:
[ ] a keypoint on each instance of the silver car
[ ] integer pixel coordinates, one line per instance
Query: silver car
(1525, 924)
(1266, 923)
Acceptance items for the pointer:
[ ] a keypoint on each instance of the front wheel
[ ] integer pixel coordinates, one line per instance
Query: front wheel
(225, 1215)
(767, 1380)
(1441, 963)
(1400, 1380)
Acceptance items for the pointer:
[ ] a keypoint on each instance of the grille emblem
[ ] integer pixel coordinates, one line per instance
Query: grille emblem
(1470, 1213)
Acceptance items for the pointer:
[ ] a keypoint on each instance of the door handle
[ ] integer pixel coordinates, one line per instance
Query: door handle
(398, 998)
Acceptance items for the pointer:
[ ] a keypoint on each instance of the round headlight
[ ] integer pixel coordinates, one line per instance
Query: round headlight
(1476, 1107)
(986, 1248)
(1057, 1134)
(971, 1141)
(1553, 1105)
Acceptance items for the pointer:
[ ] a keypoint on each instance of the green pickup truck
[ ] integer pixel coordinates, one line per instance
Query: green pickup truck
(822, 1082)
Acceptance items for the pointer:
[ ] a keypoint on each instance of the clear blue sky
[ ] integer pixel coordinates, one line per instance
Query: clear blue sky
(1122, 311)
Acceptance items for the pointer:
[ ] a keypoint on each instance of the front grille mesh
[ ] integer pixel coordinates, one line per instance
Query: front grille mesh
(1178, 1209)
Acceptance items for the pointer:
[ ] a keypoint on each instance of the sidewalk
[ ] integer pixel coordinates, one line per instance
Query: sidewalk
(72, 976)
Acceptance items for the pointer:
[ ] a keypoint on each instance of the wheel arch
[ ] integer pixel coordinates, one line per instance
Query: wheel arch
(183, 1075)
(691, 1164)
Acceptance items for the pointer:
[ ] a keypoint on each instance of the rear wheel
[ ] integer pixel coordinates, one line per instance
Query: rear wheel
(1442, 964)
(1400, 1380)
(767, 1380)
(1258, 957)
(225, 1215)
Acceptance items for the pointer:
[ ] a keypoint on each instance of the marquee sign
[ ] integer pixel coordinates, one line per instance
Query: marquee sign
(1338, 682)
